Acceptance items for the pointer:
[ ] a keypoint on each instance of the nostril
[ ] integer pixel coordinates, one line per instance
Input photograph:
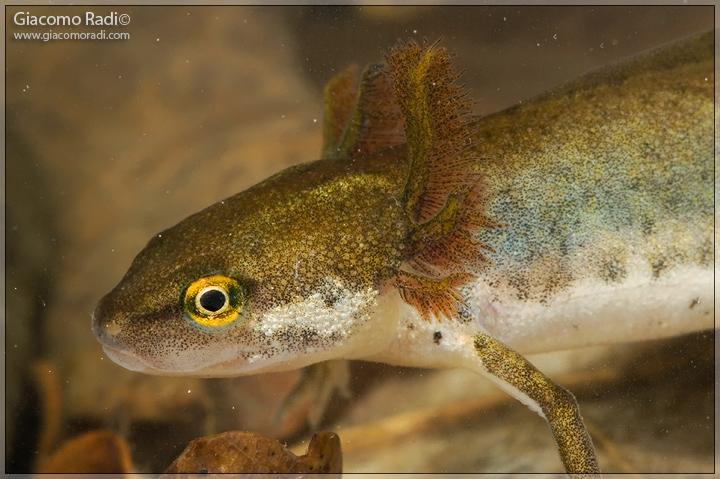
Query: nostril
(107, 333)
(112, 329)
(104, 328)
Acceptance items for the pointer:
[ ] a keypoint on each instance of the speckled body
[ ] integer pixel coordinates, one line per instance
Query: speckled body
(604, 188)
(606, 185)
(603, 182)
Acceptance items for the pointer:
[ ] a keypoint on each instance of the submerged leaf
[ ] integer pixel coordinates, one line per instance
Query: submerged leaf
(252, 453)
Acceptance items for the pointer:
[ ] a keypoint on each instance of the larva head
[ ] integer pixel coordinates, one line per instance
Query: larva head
(282, 275)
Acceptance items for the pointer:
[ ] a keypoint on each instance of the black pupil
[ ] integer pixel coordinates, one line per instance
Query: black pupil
(213, 300)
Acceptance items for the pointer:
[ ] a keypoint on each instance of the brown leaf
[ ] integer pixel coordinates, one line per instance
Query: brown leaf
(247, 452)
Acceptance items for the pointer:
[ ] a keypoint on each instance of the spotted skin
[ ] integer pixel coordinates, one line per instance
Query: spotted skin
(628, 193)
(557, 405)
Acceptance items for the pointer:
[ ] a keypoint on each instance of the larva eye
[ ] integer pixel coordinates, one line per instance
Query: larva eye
(214, 301)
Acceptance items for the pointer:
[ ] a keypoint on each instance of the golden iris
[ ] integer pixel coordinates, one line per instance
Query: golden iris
(215, 300)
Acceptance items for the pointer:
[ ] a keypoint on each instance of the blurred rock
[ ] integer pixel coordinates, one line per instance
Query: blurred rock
(96, 452)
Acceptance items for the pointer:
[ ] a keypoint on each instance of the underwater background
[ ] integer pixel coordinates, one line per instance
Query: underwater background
(109, 142)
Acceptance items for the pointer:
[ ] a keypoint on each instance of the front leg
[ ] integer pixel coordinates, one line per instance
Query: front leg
(556, 404)
(453, 344)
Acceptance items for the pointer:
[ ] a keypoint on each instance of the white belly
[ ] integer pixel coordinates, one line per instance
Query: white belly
(593, 313)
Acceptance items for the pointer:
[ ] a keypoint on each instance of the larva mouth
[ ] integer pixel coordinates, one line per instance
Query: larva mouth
(128, 360)
(125, 359)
